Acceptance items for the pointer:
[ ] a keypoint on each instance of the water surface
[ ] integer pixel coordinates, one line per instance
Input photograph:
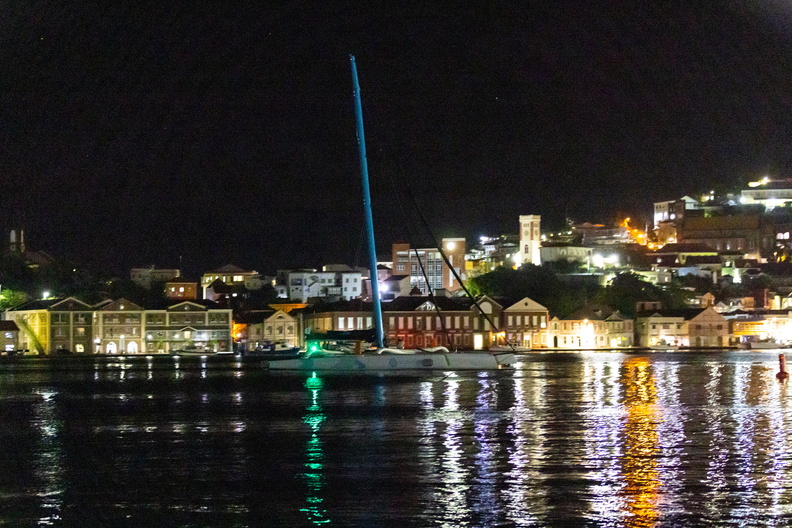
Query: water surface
(587, 439)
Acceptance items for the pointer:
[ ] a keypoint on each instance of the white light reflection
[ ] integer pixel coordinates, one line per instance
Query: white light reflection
(743, 449)
(670, 434)
(604, 418)
(487, 503)
(525, 493)
(454, 477)
(718, 456)
(778, 464)
(49, 459)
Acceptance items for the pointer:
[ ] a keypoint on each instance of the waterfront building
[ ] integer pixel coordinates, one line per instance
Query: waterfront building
(338, 316)
(9, 337)
(33, 320)
(672, 327)
(120, 327)
(421, 321)
(526, 324)
(709, 328)
(194, 324)
(71, 326)
(426, 267)
(592, 327)
(271, 326)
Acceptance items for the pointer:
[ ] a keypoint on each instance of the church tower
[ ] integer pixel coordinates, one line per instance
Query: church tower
(530, 240)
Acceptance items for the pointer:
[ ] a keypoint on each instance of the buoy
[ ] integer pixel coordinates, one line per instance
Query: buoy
(782, 373)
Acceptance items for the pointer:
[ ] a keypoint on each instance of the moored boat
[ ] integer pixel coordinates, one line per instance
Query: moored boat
(377, 357)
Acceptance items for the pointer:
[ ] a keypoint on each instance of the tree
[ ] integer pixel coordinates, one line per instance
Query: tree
(626, 290)
(539, 283)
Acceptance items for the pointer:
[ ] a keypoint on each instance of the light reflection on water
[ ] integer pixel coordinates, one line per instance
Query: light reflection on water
(596, 439)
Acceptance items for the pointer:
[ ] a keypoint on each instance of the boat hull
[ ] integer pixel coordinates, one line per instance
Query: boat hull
(391, 362)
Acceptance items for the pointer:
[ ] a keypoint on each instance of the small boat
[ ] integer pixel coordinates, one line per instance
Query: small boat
(278, 349)
(663, 347)
(763, 345)
(192, 351)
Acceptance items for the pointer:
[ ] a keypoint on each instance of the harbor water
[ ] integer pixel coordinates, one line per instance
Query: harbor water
(565, 439)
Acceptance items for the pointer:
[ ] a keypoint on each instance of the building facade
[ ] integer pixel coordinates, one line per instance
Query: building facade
(426, 267)
(120, 327)
(145, 277)
(327, 285)
(530, 240)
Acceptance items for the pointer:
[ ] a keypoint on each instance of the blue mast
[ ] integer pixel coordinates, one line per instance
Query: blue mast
(378, 327)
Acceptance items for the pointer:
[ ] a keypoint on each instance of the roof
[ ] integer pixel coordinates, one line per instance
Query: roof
(38, 304)
(230, 268)
(8, 326)
(703, 259)
(412, 303)
(685, 313)
(252, 318)
(686, 247)
(526, 304)
(593, 312)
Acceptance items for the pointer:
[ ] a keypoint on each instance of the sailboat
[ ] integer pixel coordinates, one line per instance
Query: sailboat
(381, 358)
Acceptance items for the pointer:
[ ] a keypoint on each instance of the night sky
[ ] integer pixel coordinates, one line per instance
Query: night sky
(142, 133)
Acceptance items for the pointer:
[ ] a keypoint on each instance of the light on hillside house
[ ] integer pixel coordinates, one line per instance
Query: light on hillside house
(763, 181)
(451, 245)
(383, 287)
(45, 294)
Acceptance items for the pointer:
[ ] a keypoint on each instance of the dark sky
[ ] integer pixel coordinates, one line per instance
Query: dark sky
(143, 132)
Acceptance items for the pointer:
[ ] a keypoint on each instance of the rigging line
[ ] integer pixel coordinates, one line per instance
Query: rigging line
(448, 263)
(411, 239)
(359, 246)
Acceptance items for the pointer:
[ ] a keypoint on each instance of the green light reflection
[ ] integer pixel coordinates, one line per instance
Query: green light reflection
(314, 456)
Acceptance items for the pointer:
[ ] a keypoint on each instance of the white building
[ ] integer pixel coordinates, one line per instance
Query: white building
(770, 193)
(332, 285)
(673, 210)
(530, 241)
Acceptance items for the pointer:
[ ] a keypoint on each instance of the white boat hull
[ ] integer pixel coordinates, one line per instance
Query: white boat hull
(763, 346)
(664, 348)
(390, 362)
